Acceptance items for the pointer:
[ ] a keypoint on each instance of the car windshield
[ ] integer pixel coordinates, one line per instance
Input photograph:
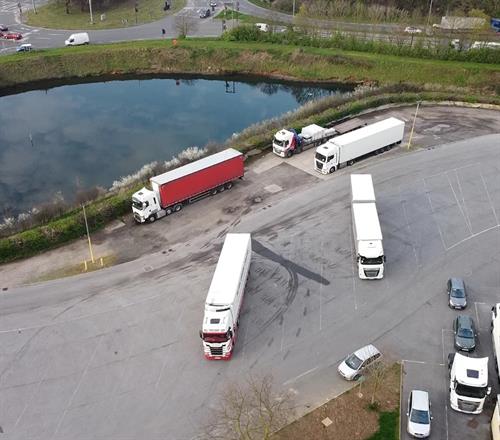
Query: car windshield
(465, 333)
(419, 416)
(457, 293)
(353, 362)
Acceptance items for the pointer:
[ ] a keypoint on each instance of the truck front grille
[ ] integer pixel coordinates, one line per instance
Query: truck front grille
(216, 351)
(371, 273)
(467, 406)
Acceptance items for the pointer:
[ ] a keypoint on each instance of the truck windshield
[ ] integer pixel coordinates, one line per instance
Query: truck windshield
(279, 143)
(320, 157)
(137, 204)
(215, 337)
(468, 391)
(368, 261)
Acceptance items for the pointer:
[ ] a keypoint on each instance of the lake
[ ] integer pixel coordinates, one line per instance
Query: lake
(54, 142)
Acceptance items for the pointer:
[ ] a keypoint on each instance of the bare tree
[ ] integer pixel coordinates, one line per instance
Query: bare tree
(377, 373)
(185, 25)
(249, 412)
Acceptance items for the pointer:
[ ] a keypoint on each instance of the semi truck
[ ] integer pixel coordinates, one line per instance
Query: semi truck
(366, 228)
(287, 141)
(346, 149)
(170, 191)
(225, 296)
(468, 383)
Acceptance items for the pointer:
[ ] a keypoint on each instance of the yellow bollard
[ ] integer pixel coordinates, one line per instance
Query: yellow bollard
(85, 265)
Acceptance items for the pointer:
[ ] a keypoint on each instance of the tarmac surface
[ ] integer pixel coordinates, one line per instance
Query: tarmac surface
(116, 353)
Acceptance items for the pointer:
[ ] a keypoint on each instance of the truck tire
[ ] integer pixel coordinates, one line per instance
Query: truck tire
(229, 185)
(151, 218)
(350, 163)
(168, 211)
(214, 191)
(331, 170)
(177, 207)
(289, 153)
(221, 188)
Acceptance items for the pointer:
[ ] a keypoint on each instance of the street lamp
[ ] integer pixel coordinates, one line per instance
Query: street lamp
(91, 16)
(429, 16)
(293, 9)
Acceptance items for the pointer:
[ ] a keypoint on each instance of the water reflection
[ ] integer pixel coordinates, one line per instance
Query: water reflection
(85, 135)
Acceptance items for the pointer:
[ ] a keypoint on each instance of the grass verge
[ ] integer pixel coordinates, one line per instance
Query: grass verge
(229, 14)
(351, 415)
(54, 16)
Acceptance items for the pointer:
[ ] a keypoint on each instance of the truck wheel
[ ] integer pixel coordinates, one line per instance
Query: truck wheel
(350, 163)
(229, 185)
(214, 191)
(221, 188)
(331, 170)
(168, 211)
(151, 218)
(177, 207)
(289, 153)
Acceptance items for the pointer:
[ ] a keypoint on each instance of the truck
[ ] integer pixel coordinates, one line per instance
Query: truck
(346, 149)
(468, 383)
(287, 141)
(225, 297)
(172, 190)
(495, 336)
(495, 420)
(366, 228)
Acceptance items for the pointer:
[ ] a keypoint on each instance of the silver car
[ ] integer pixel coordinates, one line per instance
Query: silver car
(419, 414)
(352, 366)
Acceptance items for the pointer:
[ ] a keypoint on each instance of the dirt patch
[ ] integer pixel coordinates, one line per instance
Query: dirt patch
(350, 413)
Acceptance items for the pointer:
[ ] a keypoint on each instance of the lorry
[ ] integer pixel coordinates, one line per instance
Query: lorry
(346, 149)
(287, 141)
(495, 420)
(468, 383)
(495, 336)
(366, 228)
(225, 296)
(186, 184)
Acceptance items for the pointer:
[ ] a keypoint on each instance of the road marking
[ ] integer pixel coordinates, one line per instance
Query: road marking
(488, 194)
(289, 381)
(432, 210)
(477, 317)
(464, 210)
(472, 236)
(413, 362)
(410, 234)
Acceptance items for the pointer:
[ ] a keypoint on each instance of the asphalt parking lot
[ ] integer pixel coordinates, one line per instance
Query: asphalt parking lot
(116, 354)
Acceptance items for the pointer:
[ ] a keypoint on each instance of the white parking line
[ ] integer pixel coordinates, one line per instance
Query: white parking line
(403, 206)
(472, 236)
(489, 198)
(432, 210)
(464, 210)
(289, 381)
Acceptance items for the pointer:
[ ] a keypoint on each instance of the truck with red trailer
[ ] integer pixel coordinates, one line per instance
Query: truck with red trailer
(225, 297)
(173, 189)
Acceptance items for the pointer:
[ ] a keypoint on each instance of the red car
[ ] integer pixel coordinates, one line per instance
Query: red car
(13, 36)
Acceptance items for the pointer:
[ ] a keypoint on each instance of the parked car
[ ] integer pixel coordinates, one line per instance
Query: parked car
(213, 4)
(78, 39)
(353, 365)
(204, 13)
(419, 414)
(263, 27)
(413, 30)
(13, 36)
(457, 298)
(465, 333)
(3, 28)
(24, 48)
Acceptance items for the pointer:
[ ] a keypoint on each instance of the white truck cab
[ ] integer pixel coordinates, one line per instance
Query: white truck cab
(468, 383)
(145, 205)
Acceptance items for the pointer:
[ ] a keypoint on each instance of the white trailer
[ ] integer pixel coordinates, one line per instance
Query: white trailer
(225, 297)
(368, 241)
(346, 149)
(468, 383)
(362, 188)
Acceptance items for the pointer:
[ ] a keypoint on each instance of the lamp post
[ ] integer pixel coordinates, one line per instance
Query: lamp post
(34, 8)
(90, 9)
(293, 8)
(430, 11)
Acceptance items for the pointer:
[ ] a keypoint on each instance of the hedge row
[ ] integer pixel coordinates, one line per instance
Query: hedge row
(350, 42)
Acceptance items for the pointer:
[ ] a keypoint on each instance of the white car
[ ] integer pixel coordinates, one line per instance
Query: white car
(352, 366)
(413, 30)
(419, 414)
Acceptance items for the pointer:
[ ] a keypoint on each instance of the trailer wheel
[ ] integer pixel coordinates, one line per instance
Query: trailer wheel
(168, 211)
(289, 153)
(177, 207)
(350, 163)
(151, 218)
(214, 191)
(221, 188)
(229, 185)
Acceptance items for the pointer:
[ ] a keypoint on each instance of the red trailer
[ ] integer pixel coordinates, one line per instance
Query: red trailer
(188, 183)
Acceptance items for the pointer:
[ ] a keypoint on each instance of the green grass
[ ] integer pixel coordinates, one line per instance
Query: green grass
(388, 426)
(53, 15)
(229, 14)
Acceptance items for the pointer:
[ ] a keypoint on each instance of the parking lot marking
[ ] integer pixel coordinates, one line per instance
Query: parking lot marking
(410, 234)
(305, 373)
(464, 210)
(432, 210)
(320, 286)
(488, 195)
(472, 236)
(477, 317)
(414, 362)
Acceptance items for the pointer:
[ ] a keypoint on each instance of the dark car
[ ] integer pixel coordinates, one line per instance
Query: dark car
(465, 333)
(204, 13)
(457, 298)
(13, 36)
(3, 28)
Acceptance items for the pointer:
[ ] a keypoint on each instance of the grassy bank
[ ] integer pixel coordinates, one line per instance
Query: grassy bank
(216, 57)
(53, 15)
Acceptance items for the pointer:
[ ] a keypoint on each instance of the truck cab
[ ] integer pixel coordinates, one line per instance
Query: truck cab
(468, 383)
(326, 158)
(370, 260)
(286, 142)
(218, 332)
(145, 205)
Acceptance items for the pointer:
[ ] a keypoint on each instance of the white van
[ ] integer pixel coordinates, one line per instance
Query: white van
(495, 336)
(264, 27)
(77, 39)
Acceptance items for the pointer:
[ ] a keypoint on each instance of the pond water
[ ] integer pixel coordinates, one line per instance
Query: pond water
(74, 137)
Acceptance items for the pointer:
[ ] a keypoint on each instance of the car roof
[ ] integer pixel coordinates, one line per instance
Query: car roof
(457, 283)
(365, 352)
(420, 400)
(464, 320)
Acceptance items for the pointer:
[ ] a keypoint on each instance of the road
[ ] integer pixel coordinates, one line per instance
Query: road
(116, 354)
